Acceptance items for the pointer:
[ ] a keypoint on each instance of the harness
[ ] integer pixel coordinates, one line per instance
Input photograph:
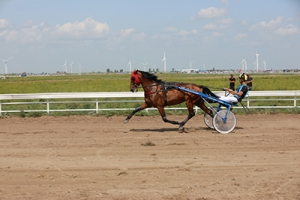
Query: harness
(147, 93)
(165, 87)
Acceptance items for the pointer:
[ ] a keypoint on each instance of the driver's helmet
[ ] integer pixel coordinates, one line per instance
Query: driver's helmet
(243, 76)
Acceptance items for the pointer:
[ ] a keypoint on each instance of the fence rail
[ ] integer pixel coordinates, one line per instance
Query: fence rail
(97, 98)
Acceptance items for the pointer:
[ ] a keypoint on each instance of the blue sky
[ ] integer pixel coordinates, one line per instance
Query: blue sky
(106, 34)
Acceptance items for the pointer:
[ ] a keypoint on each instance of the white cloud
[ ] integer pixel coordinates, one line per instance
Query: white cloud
(161, 37)
(174, 31)
(30, 32)
(214, 37)
(27, 24)
(225, 21)
(240, 36)
(30, 35)
(244, 22)
(193, 18)
(288, 30)
(88, 28)
(3, 33)
(183, 32)
(194, 31)
(127, 32)
(131, 33)
(4, 23)
(210, 27)
(220, 25)
(171, 29)
(267, 25)
(27, 33)
(211, 12)
(277, 27)
(33, 33)
(217, 34)
(11, 35)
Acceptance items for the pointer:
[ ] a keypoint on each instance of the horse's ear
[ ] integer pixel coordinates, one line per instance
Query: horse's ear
(134, 72)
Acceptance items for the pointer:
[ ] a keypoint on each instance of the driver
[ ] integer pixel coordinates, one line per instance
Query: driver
(238, 94)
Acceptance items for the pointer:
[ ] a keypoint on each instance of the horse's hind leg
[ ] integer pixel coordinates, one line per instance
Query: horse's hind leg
(163, 116)
(181, 124)
(190, 115)
(202, 105)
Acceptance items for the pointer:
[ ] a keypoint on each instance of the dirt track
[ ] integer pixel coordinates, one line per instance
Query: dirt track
(84, 157)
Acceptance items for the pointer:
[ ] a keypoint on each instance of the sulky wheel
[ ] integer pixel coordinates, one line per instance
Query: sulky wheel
(208, 120)
(222, 124)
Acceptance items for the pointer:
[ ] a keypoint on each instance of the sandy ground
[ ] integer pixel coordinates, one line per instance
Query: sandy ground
(84, 157)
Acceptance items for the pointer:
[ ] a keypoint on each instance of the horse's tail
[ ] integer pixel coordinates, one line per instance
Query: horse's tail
(207, 91)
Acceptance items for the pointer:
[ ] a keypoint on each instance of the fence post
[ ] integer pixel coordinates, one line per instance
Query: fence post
(97, 106)
(48, 106)
(0, 109)
(248, 102)
(196, 107)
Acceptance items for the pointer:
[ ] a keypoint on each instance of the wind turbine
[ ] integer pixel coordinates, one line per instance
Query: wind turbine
(129, 64)
(65, 67)
(265, 65)
(165, 62)
(244, 64)
(257, 61)
(5, 67)
(71, 67)
(191, 67)
(144, 66)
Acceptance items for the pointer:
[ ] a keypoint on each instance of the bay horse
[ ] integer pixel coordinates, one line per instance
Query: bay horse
(159, 94)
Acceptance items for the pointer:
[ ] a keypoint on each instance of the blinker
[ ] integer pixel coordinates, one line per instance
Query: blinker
(135, 78)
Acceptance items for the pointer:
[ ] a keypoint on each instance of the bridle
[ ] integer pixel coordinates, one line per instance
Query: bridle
(147, 86)
(136, 81)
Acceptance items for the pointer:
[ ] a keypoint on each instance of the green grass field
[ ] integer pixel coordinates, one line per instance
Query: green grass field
(120, 82)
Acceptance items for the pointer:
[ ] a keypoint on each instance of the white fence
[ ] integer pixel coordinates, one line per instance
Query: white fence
(97, 98)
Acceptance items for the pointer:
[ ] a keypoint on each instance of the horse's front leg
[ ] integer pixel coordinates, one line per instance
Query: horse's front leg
(142, 107)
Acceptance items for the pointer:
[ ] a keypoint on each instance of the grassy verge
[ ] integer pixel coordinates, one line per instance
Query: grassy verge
(120, 83)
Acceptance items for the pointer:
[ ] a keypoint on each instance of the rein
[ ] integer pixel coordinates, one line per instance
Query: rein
(222, 89)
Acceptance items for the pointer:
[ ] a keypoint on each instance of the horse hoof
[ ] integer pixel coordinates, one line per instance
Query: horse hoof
(180, 129)
(126, 121)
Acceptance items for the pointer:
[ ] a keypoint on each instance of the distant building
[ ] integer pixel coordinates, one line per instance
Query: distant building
(190, 71)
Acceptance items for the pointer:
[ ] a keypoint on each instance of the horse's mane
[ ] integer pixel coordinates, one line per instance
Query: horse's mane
(150, 76)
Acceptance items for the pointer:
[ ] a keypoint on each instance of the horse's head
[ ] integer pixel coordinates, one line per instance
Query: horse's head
(135, 81)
